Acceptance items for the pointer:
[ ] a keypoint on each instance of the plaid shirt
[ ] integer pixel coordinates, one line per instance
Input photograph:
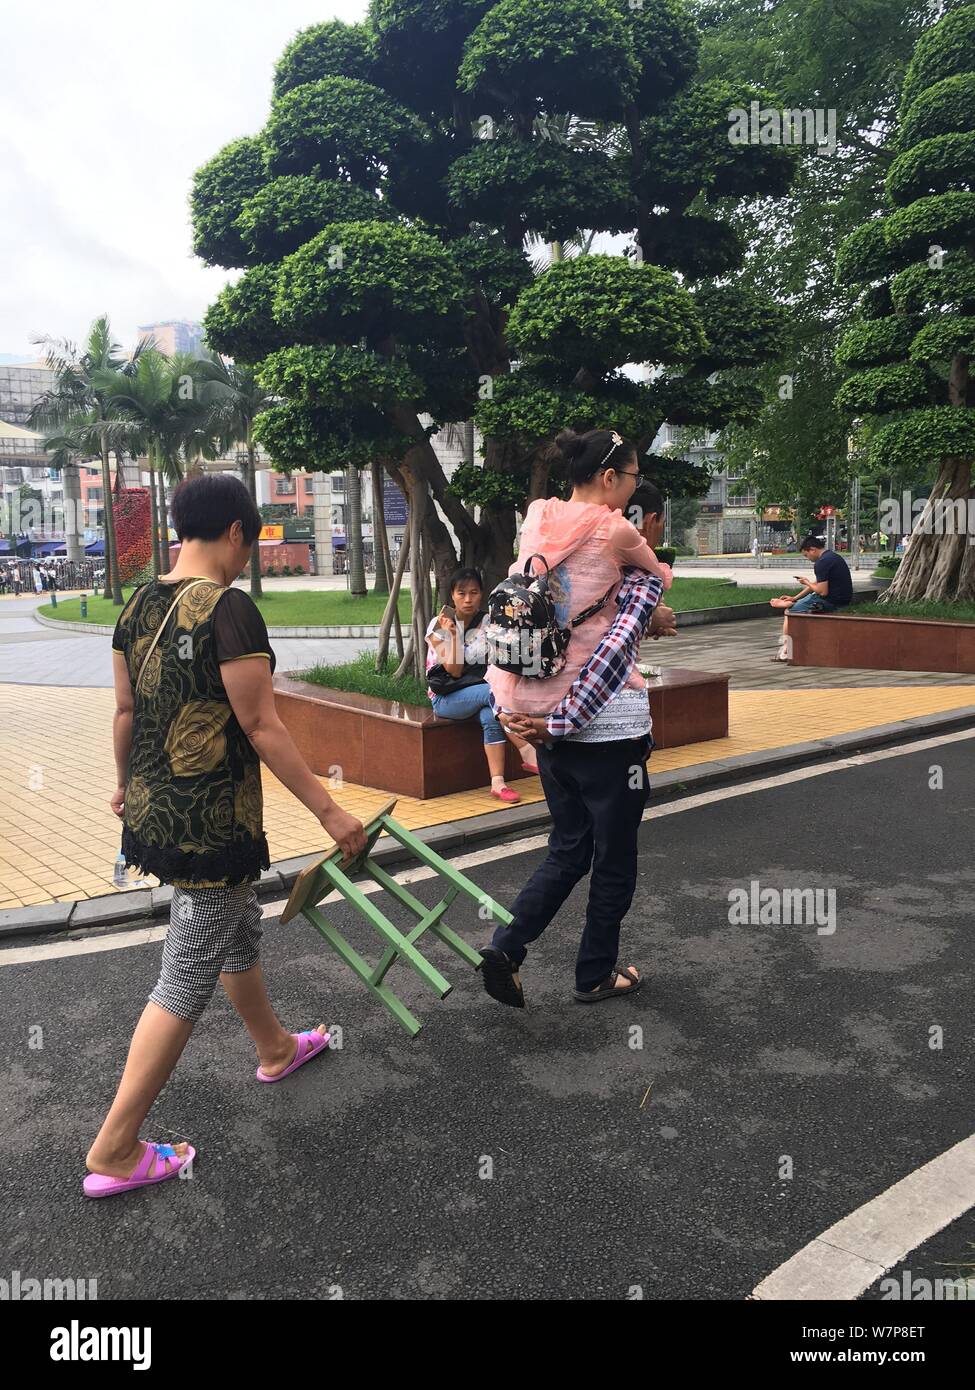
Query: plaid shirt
(607, 670)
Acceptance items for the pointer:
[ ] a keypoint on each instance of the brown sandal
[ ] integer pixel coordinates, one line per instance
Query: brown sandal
(608, 990)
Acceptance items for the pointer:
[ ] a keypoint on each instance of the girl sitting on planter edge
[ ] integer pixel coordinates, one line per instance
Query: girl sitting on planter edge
(456, 666)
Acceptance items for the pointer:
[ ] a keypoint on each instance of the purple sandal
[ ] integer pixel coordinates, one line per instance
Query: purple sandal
(98, 1185)
(303, 1054)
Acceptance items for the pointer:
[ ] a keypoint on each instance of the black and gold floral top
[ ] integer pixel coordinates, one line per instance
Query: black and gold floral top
(193, 803)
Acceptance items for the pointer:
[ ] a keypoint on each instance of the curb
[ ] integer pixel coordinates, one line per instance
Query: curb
(339, 630)
(148, 904)
(689, 617)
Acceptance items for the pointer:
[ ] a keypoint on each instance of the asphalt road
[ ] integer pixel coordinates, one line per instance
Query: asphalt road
(361, 1173)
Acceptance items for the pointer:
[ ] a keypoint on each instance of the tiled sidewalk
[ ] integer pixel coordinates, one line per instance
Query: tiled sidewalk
(59, 839)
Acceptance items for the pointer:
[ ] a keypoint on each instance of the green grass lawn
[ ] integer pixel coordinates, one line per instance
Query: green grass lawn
(328, 608)
(301, 608)
(711, 593)
(957, 612)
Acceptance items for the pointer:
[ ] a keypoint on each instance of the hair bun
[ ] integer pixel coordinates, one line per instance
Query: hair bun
(571, 444)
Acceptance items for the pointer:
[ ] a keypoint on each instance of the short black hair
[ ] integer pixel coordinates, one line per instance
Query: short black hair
(591, 453)
(812, 542)
(206, 506)
(648, 500)
(463, 576)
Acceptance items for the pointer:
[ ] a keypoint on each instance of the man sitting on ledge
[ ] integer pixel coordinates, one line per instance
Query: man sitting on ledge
(831, 589)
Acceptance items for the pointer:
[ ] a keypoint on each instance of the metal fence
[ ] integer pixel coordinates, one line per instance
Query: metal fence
(17, 575)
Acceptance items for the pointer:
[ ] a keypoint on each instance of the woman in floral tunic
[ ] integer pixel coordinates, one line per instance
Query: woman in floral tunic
(195, 716)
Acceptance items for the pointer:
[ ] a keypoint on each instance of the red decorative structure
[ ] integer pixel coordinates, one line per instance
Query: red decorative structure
(133, 533)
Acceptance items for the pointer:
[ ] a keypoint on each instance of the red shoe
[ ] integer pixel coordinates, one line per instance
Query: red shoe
(506, 794)
(527, 767)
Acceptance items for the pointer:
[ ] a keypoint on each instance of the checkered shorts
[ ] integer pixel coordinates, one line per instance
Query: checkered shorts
(210, 929)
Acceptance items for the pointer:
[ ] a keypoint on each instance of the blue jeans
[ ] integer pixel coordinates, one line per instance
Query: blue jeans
(465, 704)
(813, 603)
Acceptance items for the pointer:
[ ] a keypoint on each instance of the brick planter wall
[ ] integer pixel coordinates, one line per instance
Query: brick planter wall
(407, 749)
(882, 644)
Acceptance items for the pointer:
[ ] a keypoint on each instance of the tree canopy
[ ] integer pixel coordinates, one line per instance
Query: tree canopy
(907, 355)
(848, 58)
(380, 222)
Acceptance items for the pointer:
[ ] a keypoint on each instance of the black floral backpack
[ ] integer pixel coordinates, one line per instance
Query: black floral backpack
(522, 630)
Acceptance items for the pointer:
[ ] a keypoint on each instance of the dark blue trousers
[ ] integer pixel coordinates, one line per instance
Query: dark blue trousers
(596, 793)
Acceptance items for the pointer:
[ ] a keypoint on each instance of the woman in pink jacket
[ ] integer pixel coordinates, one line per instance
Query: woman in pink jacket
(595, 781)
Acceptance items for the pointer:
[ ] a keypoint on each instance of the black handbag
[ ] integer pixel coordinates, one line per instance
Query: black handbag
(441, 682)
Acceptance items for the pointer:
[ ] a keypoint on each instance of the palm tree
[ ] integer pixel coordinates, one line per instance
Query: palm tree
(161, 402)
(232, 399)
(83, 418)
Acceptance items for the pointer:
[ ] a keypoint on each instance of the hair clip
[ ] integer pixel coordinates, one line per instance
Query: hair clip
(617, 441)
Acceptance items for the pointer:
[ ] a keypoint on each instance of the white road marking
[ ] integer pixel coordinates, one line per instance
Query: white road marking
(846, 1259)
(22, 955)
(54, 950)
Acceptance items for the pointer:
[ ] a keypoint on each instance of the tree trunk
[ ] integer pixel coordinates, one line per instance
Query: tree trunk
(380, 541)
(257, 590)
(469, 442)
(414, 658)
(938, 567)
(391, 615)
(164, 561)
(106, 539)
(113, 584)
(353, 532)
(154, 516)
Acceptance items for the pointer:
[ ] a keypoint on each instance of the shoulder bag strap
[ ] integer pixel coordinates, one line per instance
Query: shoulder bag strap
(181, 590)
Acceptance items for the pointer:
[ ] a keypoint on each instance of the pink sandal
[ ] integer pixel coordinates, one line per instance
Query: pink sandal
(303, 1054)
(98, 1185)
(506, 794)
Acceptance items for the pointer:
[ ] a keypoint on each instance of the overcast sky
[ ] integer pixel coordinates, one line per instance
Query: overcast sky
(106, 110)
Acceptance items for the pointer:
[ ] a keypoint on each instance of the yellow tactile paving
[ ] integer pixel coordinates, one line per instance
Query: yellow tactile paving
(58, 837)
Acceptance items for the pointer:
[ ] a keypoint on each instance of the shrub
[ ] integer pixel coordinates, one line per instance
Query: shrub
(286, 569)
(666, 554)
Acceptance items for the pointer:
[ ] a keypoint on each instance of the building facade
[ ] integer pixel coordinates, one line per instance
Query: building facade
(174, 335)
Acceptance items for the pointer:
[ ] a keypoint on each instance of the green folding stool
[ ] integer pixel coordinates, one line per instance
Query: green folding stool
(332, 874)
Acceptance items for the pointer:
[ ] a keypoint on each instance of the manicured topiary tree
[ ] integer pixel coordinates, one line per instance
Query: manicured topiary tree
(909, 352)
(381, 218)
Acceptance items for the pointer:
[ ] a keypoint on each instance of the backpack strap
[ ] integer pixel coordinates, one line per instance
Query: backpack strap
(593, 608)
(529, 574)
